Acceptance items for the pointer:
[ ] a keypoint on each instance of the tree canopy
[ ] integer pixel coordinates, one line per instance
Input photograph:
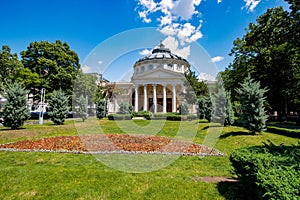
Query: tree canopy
(269, 52)
(193, 88)
(53, 66)
(10, 67)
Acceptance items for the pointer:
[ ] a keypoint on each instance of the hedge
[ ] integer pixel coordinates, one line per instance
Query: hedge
(145, 114)
(268, 168)
(284, 131)
(119, 117)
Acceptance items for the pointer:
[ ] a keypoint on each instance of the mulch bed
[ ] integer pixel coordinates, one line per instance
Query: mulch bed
(112, 143)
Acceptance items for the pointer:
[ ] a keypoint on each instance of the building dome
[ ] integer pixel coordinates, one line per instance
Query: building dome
(161, 57)
(161, 52)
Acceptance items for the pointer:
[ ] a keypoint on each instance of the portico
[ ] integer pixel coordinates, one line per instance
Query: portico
(157, 97)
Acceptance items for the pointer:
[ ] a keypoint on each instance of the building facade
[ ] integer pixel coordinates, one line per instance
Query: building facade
(156, 84)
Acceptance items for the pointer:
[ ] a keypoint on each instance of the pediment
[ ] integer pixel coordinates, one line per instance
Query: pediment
(162, 74)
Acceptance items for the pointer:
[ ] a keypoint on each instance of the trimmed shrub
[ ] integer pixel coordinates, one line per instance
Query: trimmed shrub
(192, 117)
(174, 117)
(278, 183)
(284, 131)
(159, 116)
(269, 168)
(145, 114)
(119, 117)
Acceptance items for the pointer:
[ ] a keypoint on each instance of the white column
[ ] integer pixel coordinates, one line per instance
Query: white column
(164, 99)
(154, 98)
(145, 97)
(174, 98)
(136, 104)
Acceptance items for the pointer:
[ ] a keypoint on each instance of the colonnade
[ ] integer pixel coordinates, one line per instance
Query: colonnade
(164, 91)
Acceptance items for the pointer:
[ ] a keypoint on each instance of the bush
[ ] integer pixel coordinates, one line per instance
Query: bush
(278, 183)
(145, 114)
(192, 117)
(119, 117)
(125, 108)
(284, 131)
(101, 108)
(269, 168)
(184, 109)
(159, 116)
(174, 117)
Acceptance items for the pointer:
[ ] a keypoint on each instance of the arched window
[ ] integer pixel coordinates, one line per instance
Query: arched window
(150, 67)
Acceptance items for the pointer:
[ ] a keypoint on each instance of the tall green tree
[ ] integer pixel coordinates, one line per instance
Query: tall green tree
(270, 54)
(82, 108)
(193, 88)
(58, 103)
(85, 84)
(252, 98)
(15, 111)
(55, 64)
(10, 67)
(101, 108)
(222, 111)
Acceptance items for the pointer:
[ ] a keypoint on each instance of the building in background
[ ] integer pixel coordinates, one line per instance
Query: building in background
(156, 84)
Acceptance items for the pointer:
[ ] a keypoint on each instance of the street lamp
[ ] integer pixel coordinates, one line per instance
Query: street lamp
(41, 114)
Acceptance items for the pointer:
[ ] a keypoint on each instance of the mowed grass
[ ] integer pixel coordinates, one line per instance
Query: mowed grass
(32, 175)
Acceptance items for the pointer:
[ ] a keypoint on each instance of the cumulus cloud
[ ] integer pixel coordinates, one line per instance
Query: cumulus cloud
(171, 43)
(251, 4)
(219, 1)
(145, 52)
(174, 19)
(149, 6)
(206, 77)
(185, 8)
(86, 69)
(100, 62)
(217, 59)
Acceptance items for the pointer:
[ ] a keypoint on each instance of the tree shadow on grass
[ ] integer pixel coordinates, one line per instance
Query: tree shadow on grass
(236, 191)
(236, 133)
(9, 129)
(212, 126)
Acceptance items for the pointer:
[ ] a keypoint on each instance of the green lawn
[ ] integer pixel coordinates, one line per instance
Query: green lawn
(75, 176)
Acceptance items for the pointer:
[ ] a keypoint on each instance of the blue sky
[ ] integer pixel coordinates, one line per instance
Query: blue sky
(88, 25)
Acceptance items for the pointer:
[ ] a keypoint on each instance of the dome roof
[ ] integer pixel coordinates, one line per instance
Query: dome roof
(161, 52)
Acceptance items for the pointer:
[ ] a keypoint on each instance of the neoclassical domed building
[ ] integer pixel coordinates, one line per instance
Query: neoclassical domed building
(156, 84)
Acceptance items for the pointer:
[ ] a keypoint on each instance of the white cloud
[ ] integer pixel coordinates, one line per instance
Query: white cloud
(219, 1)
(206, 77)
(100, 62)
(149, 6)
(171, 43)
(251, 4)
(144, 17)
(86, 69)
(168, 30)
(187, 33)
(217, 59)
(185, 8)
(145, 52)
(175, 17)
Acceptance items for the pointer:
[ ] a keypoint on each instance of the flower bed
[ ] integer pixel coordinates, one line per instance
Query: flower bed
(113, 143)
